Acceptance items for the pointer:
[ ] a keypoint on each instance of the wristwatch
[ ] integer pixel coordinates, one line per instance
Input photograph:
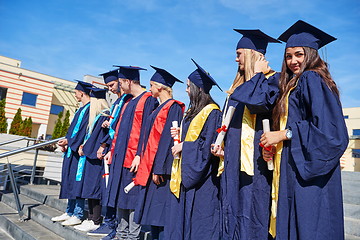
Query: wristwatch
(288, 134)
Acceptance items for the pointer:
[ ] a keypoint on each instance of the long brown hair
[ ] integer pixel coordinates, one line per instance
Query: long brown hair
(312, 62)
(198, 100)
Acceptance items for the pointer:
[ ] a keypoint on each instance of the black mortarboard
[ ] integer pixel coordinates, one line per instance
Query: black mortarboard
(110, 76)
(164, 77)
(302, 34)
(99, 93)
(254, 39)
(202, 79)
(83, 86)
(129, 72)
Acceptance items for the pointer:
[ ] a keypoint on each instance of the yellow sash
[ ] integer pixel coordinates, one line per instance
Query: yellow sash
(276, 172)
(247, 139)
(192, 134)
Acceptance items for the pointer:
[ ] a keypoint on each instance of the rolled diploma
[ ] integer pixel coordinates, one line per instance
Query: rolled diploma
(106, 169)
(266, 128)
(226, 122)
(176, 138)
(113, 114)
(129, 187)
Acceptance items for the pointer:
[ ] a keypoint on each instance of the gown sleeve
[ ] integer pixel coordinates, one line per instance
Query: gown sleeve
(164, 158)
(259, 94)
(196, 156)
(320, 139)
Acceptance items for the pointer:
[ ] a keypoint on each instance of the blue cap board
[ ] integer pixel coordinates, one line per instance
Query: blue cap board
(129, 72)
(254, 39)
(98, 93)
(110, 76)
(164, 77)
(302, 34)
(83, 86)
(202, 79)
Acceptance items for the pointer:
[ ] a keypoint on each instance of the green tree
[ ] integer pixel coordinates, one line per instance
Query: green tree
(58, 127)
(15, 126)
(28, 127)
(66, 124)
(22, 129)
(3, 122)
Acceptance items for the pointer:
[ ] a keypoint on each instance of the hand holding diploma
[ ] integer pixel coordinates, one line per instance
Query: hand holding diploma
(113, 114)
(266, 128)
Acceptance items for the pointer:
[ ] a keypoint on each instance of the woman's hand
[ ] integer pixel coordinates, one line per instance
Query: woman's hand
(105, 124)
(272, 138)
(100, 152)
(262, 65)
(174, 131)
(80, 151)
(108, 158)
(176, 149)
(268, 155)
(217, 150)
(157, 179)
(135, 164)
(62, 142)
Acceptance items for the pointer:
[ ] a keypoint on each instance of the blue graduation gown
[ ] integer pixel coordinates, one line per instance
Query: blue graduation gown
(196, 214)
(91, 181)
(152, 205)
(246, 199)
(69, 166)
(120, 176)
(310, 195)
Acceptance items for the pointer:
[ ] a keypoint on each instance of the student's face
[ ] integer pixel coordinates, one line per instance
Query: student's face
(113, 86)
(78, 95)
(188, 87)
(154, 90)
(125, 85)
(240, 58)
(294, 57)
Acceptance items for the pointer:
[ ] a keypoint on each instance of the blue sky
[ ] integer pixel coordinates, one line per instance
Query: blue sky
(71, 38)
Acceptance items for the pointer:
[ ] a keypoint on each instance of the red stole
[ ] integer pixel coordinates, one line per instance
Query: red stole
(135, 130)
(152, 145)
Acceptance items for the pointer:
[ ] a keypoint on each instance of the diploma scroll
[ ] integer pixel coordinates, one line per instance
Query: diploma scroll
(225, 124)
(176, 138)
(129, 187)
(113, 114)
(266, 128)
(106, 169)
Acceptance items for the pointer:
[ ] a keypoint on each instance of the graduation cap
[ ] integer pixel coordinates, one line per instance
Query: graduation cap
(83, 86)
(110, 76)
(164, 77)
(254, 39)
(129, 72)
(98, 93)
(302, 34)
(202, 79)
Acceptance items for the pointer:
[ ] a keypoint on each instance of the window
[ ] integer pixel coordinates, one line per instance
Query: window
(29, 99)
(3, 92)
(56, 109)
(356, 132)
(346, 116)
(356, 153)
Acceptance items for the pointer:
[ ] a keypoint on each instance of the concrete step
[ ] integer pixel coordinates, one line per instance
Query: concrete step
(350, 176)
(46, 194)
(351, 197)
(351, 237)
(352, 211)
(5, 236)
(42, 214)
(26, 230)
(352, 226)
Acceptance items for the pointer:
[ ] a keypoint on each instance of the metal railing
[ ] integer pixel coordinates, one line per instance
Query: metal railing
(10, 169)
(19, 139)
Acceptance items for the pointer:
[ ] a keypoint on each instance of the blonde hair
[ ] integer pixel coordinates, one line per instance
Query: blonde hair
(96, 106)
(251, 56)
(162, 86)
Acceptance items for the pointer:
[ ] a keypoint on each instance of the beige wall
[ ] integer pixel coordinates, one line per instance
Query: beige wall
(352, 122)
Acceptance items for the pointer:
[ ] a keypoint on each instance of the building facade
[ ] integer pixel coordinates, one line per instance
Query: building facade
(351, 158)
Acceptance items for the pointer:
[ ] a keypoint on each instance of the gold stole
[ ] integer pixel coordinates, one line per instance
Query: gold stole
(247, 139)
(192, 134)
(276, 172)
